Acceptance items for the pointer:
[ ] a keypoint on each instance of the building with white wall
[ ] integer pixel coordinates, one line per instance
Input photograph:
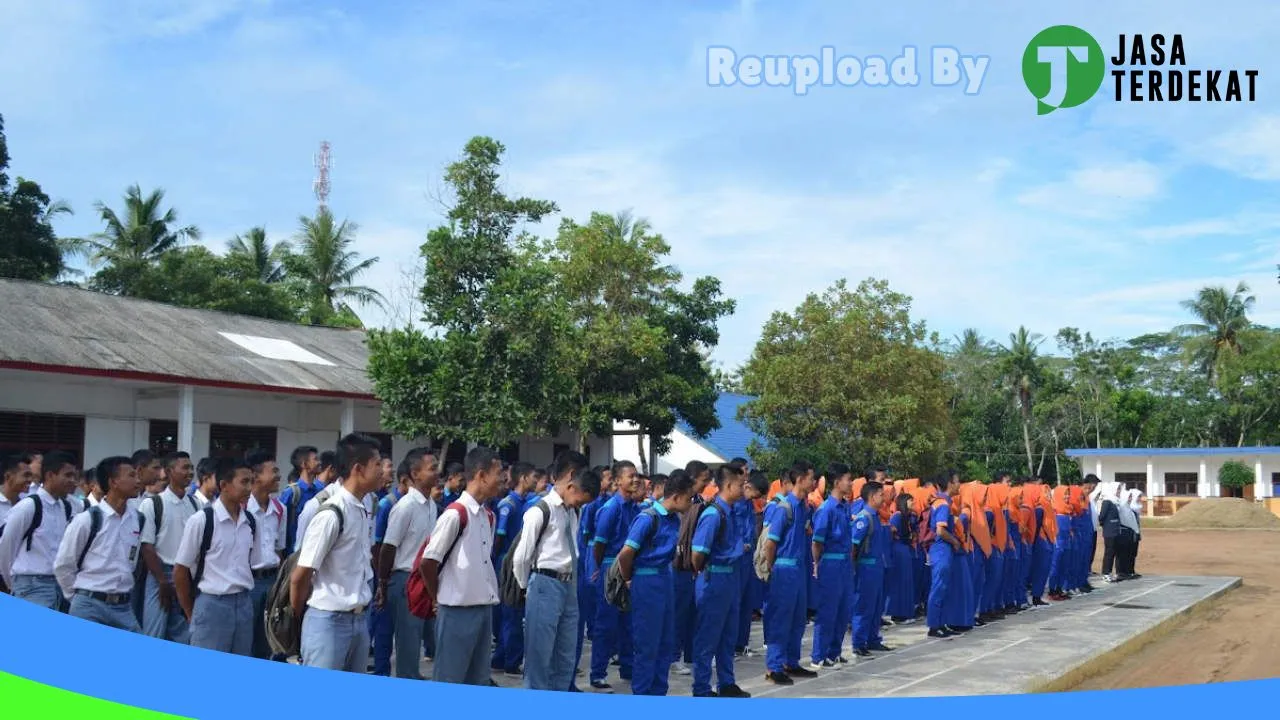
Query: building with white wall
(101, 375)
(1173, 476)
(730, 440)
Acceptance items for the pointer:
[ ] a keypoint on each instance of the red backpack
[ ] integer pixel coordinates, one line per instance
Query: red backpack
(421, 604)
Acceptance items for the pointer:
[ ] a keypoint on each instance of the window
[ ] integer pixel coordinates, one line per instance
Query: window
(1182, 484)
(238, 440)
(162, 437)
(1133, 481)
(1275, 484)
(42, 433)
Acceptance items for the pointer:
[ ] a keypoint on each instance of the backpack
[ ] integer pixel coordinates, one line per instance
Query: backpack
(689, 528)
(616, 592)
(928, 533)
(283, 630)
(95, 525)
(760, 559)
(37, 516)
(509, 591)
(206, 540)
(421, 604)
(865, 543)
(157, 509)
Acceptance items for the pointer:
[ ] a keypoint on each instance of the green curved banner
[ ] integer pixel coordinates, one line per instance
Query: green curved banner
(27, 699)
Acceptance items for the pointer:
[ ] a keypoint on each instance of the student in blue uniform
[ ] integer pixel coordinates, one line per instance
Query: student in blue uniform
(1059, 574)
(901, 582)
(1086, 534)
(686, 607)
(868, 587)
(382, 627)
(645, 562)
(831, 550)
(717, 546)
(586, 563)
(941, 546)
(612, 629)
(508, 652)
(747, 520)
(300, 489)
(785, 608)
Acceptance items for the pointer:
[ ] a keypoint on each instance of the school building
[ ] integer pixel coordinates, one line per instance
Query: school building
(1173, 477)
(101, 375)
(719, 447)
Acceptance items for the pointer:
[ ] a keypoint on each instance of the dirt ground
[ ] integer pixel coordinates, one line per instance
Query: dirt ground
(1236, 637)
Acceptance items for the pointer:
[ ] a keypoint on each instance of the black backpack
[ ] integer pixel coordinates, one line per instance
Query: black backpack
(37, 517)
(688, 526)
(509, 591)
(206, 540)
(283, 630)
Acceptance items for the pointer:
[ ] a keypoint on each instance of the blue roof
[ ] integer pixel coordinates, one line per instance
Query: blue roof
(1144, 452)
(733, 436)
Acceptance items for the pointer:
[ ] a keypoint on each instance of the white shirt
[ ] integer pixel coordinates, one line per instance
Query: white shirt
(201, 500)
(343, 572)
(309, 510)
(108, 566)
(178, 509)
(14, 557)
(468, 579)
(232, 552)
(558, 551)
(271, 526)
(5, 507)
(411, 520)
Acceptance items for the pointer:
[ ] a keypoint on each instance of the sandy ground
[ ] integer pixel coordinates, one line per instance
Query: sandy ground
(1236, 637)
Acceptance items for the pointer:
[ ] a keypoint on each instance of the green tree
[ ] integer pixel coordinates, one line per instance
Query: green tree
(1022, 373)
(1235, 476)
(325, 269)
(29, 248)
(133, 241)
(491, 367)
(1221, 328)
(848, 376)
(1249, 384)
(264, 261)
(195, 277)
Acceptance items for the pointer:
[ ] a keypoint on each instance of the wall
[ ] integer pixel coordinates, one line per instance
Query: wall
(1207, 466)
(684, 450)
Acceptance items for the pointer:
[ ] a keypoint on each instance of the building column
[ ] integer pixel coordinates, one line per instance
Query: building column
(186, 419)
(1202, 481)
(348, 417)
(1261, 483)
(1097, 469)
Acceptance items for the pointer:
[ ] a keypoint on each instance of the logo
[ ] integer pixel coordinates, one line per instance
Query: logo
(1063, 67)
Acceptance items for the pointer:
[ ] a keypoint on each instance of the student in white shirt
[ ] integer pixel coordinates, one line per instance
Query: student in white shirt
(32, 532)
(269, 515)
(89, 488)
(411, 520)
(545, 566)
(330, 588)
(163, 518)
(16, 470)
(95, 569)
(221, 616)
(207, 489)
(35, 462)
(309, 510)
(458, 572)
(151, 477)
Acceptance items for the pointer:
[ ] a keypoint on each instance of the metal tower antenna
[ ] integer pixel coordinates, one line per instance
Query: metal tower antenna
(323, 162)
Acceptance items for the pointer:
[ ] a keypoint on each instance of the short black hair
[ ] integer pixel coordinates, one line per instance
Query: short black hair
(622, 465)
(871, 488)
(356, 449)
(588, 481)
(107, 469)
(1091, 478)
(799, 468)
(257, 458)
(835, 471)
(56, 460)
(206, 467)
(328, 460)
(454, 468)
(224, 469)
(759, 481)
(411, 461)
(568, 462)
(696, 468)
(658, 480)
(172, 458)
(727, 472)
(679, 483)
(522, 470)
(142, 457)
(479, 460)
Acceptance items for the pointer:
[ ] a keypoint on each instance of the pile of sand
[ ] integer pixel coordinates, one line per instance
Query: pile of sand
(1231, 513)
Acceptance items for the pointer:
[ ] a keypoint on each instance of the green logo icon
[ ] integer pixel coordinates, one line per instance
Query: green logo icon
(1063, 67)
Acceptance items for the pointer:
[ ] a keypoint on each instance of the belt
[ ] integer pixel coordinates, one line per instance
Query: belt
(563, 577)
(835, 556)
(355, 611)
(37, 577)
(785, 562)
(866, 561)
(265, 572)
(108, 598)
(650, 571)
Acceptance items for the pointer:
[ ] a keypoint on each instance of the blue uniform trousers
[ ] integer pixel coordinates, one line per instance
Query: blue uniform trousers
(835, 606)
(785, 615)
(868, 589)
(940, 559)
(653, 627)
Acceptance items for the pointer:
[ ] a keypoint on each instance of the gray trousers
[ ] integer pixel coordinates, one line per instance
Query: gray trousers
(463, 639)
(223, 623)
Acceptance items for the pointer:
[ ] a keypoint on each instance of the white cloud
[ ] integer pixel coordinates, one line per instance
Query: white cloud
(1251, 149)
(1100, 191)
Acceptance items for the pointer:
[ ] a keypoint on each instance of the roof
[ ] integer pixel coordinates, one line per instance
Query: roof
(1157, 452)
(66, 329)
(733, 436)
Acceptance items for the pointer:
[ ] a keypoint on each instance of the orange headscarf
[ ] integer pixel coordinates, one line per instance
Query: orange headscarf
(1062, 500)
(886, 504)
(961, 534)
(1077, 500)
(1049, 525)
(997, 494)
(816, 497)
(923, 497)
(973, 495)
(1026, 516)
(856, 493)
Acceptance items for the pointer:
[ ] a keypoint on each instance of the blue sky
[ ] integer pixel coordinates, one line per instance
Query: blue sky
(1101, 217)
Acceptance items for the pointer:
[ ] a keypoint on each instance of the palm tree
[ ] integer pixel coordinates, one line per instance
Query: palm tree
(1222, 328)
(135, 239)
(266, 260)
(327, 268)
(1022, 375)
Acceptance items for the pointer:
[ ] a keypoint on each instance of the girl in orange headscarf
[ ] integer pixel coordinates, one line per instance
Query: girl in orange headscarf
(975, 497)
(960, 612)
(1016, 556)
(1044, 531)
(901, 596)
(992, 606)
(1021, 535)
(1060, 569)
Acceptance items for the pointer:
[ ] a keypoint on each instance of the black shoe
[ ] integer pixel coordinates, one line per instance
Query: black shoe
(958, 629)
(880, 647)
(601, 686)
(732, 691)
(862, 652)
(779, 678)
(979, 623)
(710, 693)
(1039, 603)
(940, 634)
(801, 672)
(1087, 588)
